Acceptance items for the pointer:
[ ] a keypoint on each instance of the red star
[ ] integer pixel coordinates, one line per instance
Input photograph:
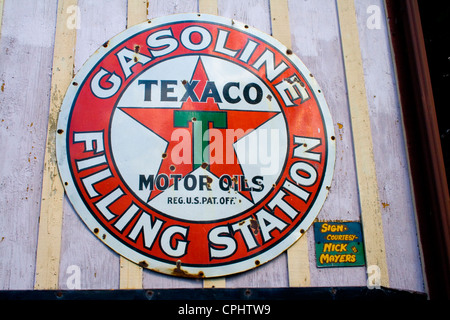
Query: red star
(162, 122)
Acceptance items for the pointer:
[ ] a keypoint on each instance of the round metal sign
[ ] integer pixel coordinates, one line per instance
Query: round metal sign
(195, 146)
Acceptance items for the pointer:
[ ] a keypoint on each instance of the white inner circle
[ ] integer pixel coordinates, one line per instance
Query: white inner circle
(137, 150)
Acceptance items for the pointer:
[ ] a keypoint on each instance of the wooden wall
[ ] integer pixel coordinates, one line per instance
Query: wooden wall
(344, 43)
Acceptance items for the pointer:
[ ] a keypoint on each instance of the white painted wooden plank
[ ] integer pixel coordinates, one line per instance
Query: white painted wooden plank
(86, 263)
(315, 39)
(98, 265)
(402, 248)
(26, 53)
(158, 8)
(318, 46)
(99, 21)
(272, 274)
(255, 13)
(154, 280)
(1, 14)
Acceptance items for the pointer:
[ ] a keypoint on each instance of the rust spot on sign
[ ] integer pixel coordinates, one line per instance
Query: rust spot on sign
(209, 180)
(254, 225)
(143, 264)
(178, 271)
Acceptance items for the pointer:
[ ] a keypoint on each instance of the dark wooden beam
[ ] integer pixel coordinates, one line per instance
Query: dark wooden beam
(423, 143)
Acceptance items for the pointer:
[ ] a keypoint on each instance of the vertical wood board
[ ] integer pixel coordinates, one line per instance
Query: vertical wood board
(50, 219)
(392, 169)
(318, 45)
(26, 54)
(130, 273)
(363, 144)
(1, 14)
(98, 265)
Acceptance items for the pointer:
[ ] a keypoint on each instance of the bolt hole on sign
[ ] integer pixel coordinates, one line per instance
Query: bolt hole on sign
(195, 145)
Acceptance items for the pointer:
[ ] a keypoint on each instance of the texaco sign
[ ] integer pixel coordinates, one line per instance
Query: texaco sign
(196, 146)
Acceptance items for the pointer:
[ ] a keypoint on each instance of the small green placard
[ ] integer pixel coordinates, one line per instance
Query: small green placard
(339, 244)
